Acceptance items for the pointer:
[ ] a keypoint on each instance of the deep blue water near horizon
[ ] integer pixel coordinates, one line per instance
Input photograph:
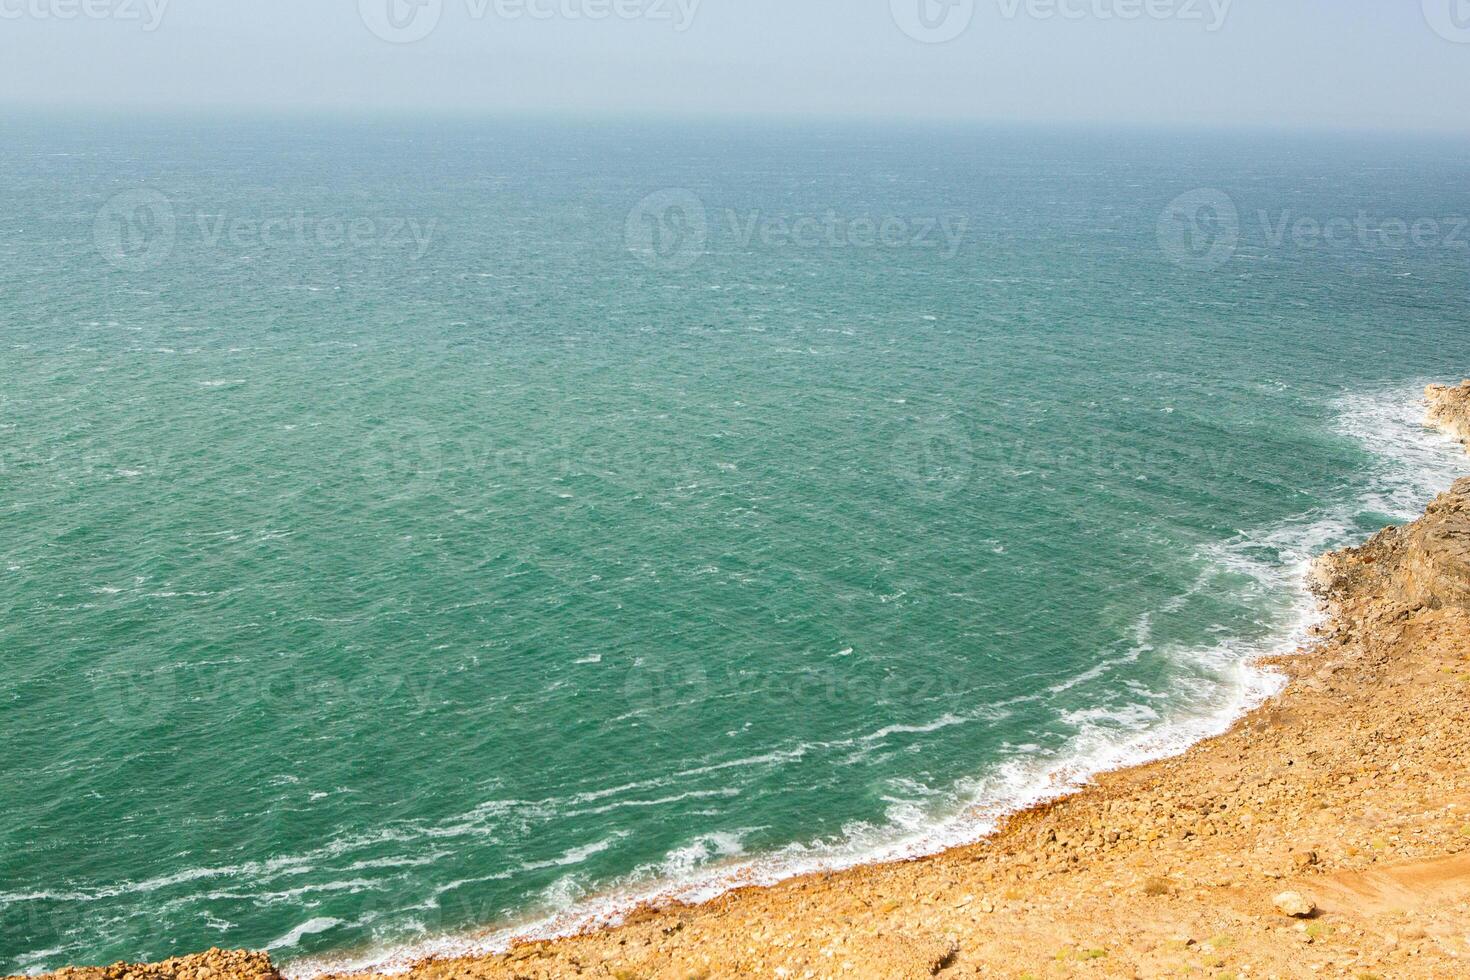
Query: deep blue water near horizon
(412, 529)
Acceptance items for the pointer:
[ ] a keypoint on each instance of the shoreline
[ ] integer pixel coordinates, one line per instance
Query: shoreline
(1258, 682)
(1048, 786)
(610, 911)
(1122, 872)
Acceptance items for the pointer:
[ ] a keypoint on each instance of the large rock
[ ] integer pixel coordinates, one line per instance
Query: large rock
(1294, 905)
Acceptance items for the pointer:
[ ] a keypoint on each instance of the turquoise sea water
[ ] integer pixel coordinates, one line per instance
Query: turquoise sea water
(417, 531)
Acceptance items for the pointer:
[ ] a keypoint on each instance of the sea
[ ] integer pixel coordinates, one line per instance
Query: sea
(418, 533)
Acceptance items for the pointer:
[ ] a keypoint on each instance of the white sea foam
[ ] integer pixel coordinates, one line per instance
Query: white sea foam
(1410, 464)
(308, 928)
(576, 855)
(1413, 463)
(946, 721)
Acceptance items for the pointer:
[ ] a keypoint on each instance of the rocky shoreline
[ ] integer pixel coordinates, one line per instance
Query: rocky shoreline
(1449, 409)
(1326, 835)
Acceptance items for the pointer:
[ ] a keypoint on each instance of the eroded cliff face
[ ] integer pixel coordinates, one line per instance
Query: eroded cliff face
(1402, 571)
(1449, 409)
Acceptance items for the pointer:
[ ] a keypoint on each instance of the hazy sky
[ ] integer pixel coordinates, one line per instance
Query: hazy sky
(1355, 63)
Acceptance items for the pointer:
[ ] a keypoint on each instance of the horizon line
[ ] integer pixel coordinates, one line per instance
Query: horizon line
(410, 113)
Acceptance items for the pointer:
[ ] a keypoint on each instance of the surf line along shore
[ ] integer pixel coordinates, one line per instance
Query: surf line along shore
(1326, 834)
